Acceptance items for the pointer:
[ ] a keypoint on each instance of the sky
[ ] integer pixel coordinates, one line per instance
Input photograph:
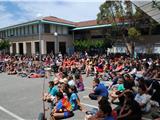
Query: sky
(18, 11)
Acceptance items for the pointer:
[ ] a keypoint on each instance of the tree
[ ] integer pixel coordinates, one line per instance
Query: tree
(82, 45)
(117, 12)
(4, 44)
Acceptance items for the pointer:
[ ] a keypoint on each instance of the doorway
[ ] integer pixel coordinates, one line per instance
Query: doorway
(62, 47)
(21, 48)
(50, 47)
(14, 48)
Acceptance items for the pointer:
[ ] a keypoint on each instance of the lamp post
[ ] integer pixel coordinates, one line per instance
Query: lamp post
(56, 43)
(40, 40)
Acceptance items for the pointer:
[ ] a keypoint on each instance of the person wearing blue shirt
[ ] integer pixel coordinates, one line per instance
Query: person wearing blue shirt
(74, 99)
(99, 90)
(60, 110)
(54, 90)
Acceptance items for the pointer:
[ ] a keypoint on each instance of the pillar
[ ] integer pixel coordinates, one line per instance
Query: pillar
(11, 49)
(43, 47)
(24, 48)
(17, 48)
(33, 48)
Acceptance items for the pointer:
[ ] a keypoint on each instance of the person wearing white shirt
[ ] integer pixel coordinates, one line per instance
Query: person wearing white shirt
(143, 99)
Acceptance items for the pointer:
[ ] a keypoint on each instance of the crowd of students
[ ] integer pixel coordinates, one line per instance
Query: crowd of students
(133, 83)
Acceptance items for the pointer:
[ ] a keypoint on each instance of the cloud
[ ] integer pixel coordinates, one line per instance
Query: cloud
(25, 10)
(74, 11)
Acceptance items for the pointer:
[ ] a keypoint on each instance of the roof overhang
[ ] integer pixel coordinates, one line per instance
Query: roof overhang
(150, 7)
(98, 26)
(57, 23)
(36, 22)
(20, 25)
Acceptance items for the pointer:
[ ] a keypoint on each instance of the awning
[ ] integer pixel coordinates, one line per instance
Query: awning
(150, 7)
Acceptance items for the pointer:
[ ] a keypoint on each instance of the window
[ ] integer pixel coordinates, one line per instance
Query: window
(20, 31)
(9, 33)
(65, 30)
(53, 28)
(32, 30)
(14, 32)
(59, 29)
(47, 28)
(29, 29)
(6, 33)
(35, 27)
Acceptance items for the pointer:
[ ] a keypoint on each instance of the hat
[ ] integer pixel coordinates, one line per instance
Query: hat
(64, 80)
(56, 80)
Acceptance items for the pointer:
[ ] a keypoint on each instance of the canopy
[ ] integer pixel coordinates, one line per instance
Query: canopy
(150, 7)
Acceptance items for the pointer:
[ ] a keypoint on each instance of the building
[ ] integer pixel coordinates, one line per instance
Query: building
(52, 35)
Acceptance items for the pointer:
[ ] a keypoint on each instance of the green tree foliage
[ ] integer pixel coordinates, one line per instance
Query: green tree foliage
(133, 32)
(81, 45)
(4, 44)
(119, 11)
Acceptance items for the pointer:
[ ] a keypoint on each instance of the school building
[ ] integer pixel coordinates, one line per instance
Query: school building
(52, 35)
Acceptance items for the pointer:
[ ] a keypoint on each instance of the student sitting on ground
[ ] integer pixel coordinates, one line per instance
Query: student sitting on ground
(117, 89)
(98, 90)
(130, 110)
(79, 81)
(74, 99)
(143, 99)
(47, 96)
(63, 108)
(104, 112)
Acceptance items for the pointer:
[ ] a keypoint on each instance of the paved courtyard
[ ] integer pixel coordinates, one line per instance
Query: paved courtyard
(20, 98)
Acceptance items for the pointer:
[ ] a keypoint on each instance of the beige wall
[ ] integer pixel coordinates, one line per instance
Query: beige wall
(61, 38)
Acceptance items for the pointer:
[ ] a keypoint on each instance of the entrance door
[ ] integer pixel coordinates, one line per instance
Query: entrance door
(21, 48)
(37, 47)
(50, 47)
(14, 48)
(62, 47)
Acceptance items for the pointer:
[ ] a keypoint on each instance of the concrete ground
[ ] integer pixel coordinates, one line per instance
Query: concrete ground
(20, 98)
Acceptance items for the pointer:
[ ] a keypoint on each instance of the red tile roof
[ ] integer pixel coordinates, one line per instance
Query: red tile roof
(77, 24)
(59, 20)
(93, 23)
(86, 23)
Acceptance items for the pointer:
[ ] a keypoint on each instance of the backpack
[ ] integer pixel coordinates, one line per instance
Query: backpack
(66, 104)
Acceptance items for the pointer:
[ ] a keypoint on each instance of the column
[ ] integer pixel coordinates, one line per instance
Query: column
(17, 48)
(43, 47)
(24, 48)
(33, 48)
(11, 49)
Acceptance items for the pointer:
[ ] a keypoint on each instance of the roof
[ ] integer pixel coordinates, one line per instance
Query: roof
(150, 7)
(59, 20)
(98, 26)
(86, 23)
(49, 19)
(91, 24)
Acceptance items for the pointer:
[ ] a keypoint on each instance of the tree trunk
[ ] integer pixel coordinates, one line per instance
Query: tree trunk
(129, 46)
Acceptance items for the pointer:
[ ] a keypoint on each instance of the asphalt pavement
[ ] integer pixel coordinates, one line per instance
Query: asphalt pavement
(20, 98)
